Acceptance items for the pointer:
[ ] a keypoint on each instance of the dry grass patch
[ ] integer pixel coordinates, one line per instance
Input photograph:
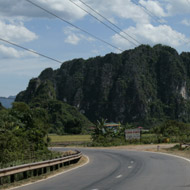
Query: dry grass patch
(70, 138)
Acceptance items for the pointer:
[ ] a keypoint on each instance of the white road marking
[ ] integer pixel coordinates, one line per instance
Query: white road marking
(130, 167)
(95, 189)
(119, 176)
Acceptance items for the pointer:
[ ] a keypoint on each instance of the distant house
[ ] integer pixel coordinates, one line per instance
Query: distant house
(112, 126)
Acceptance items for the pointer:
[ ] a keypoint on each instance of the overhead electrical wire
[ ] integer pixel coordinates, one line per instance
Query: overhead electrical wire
(73, 25)
(104, 23)
(32, 51)
(152, 15)
(109, 21)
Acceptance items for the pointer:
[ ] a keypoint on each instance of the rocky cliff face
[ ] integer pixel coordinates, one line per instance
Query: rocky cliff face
(143, 85)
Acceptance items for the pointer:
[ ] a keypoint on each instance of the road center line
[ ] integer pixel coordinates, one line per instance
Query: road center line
(130, 167)
(119, 176)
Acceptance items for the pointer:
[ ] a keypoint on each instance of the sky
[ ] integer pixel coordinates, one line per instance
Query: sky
(135, 22)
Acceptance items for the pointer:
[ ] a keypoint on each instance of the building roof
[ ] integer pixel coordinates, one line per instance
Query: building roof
(112, 124)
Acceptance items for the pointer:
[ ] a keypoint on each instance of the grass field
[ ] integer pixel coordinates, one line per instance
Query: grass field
(70, 138)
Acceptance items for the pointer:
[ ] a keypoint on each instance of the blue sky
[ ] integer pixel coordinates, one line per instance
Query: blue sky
(28, 26)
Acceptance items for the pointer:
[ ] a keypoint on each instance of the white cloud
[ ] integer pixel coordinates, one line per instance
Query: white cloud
(149, 34)
(178, 7)
(154, 7)
(73, 36)
(16, 33)
(22, 8)
(186, 22)
(9, 52)
(72, 39)
(31, 67)
(121, 8)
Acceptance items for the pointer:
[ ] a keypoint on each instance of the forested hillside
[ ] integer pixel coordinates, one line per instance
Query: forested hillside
(23, 134)
(145, 85)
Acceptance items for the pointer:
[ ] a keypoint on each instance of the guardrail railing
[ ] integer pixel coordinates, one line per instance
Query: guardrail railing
(39, 168)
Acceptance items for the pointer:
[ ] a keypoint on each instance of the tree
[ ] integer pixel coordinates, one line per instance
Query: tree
(22, 133)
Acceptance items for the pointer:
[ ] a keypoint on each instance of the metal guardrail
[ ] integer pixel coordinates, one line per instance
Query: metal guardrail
(38, 165)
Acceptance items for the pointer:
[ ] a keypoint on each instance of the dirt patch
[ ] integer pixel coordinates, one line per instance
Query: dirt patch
(165, 148)
(149, 147)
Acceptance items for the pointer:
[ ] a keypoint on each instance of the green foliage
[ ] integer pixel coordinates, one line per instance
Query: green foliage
(174, 130)
(63, 118)
(22, 133)
(104, 136)
(1, 107)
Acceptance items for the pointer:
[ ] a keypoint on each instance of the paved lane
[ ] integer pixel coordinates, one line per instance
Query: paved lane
(122, 170)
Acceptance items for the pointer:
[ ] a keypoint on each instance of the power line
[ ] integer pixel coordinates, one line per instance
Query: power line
(34, 52)
(109, 21)
(84, 31)
(152, 15)
(104, 22)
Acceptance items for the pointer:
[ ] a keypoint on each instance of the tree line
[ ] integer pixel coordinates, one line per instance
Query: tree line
(23, 134)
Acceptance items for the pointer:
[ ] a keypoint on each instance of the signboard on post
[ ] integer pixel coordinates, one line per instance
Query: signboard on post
(133, 134)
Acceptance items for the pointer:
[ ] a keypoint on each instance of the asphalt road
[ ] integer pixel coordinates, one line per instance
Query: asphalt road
(122, 170)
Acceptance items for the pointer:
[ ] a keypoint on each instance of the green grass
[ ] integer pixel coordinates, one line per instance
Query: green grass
(70, 138)
(148, 135)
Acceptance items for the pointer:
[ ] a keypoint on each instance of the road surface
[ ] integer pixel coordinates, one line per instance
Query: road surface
(122, 170)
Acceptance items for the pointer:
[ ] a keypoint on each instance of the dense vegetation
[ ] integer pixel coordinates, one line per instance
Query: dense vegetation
(23, 134)
(63, 118)
(105, 136)
(145, 86)
(169, 131)
(1, 107)
(174, 131)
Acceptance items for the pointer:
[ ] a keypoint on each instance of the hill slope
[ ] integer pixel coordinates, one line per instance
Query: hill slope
(144, 85)
(7, 102)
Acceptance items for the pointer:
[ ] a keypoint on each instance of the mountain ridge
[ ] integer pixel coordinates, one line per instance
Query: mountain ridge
(7, 101)
(144, 85)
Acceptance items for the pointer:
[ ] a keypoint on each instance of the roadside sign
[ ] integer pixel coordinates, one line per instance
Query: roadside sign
(133, 134)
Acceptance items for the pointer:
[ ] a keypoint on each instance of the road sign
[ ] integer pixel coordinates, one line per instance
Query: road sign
(132, 134)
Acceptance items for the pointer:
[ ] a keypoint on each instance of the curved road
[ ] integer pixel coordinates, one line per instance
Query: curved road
(122, 170)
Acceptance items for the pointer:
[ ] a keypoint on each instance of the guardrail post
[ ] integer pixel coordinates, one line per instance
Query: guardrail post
(35, 172)
(45, 170)
(25, 176)
(12, 178)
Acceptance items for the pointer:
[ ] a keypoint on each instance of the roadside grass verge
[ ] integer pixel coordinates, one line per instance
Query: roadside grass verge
(70, 138)
(175, 150)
